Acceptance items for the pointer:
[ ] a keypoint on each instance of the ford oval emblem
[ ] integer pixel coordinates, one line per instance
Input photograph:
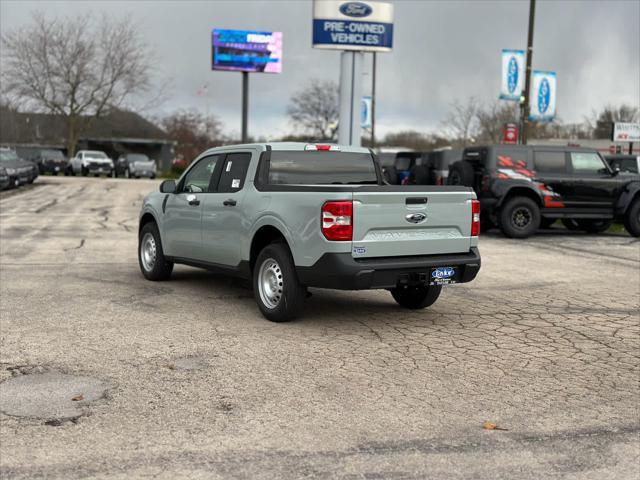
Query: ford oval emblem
(415, 217)
(355, 9)
(544, 95)
(512, 75)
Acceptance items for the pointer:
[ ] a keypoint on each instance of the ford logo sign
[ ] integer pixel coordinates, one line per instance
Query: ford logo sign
(355, 9)
(544, 95)
(512, 75)
(443, 272)
(415, 217)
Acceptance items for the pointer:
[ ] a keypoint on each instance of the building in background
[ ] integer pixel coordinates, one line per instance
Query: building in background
(117, 133)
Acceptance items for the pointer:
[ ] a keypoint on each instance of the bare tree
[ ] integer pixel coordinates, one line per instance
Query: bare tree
(601, 123)
(193, 132)
(315, 109)
(461, 123)
(75, 67)
(492, 118)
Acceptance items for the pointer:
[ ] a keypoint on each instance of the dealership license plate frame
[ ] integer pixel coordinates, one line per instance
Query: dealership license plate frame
(434, 279)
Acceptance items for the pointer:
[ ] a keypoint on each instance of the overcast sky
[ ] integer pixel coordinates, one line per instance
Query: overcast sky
(443, 50)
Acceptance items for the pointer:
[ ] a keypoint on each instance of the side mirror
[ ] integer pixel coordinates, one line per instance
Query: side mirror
(616, 170)
(168, 186)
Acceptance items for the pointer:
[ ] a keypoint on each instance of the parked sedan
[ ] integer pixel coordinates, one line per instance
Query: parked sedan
(135, 165)
(19, 171)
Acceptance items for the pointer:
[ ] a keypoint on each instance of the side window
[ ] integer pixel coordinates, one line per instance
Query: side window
(511, 158)
(198, 178)
(550, 162)
(234, 172)
(587, 163)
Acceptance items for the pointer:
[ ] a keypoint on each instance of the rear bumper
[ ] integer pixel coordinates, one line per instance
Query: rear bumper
(342, 272)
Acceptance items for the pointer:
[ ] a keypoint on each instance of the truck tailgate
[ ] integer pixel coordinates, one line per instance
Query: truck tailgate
(390, 221)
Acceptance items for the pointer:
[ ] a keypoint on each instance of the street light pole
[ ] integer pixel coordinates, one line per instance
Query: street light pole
(524, 107)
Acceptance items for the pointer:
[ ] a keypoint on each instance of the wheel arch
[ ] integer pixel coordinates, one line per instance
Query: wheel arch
(627, 197)
(521, 191)
(264, 235)
(147, 217)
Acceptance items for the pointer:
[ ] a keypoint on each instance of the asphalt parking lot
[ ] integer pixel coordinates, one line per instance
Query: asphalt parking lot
(186, 379)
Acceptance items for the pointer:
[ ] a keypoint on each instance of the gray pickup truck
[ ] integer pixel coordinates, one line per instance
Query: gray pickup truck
(291, 215)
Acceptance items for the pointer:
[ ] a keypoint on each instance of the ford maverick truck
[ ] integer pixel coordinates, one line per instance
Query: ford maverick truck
(290, 216)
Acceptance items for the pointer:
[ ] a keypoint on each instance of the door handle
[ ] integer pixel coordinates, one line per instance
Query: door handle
(193, 200)
(230, 203)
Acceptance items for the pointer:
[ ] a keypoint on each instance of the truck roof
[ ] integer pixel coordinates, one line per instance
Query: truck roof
(289, 146)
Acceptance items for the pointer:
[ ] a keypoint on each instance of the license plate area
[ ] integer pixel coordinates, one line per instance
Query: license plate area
(443, 275)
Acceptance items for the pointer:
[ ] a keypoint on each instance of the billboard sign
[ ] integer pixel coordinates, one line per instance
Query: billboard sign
(513, 74)
(246, 51)
(543, 96)
(358, 25)
(365, 112)
(626, 132)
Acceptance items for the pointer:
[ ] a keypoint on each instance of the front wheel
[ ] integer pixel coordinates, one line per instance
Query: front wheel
(632, 219)
(153, 264)
(519, 217)
(277, 291)
(417, 297)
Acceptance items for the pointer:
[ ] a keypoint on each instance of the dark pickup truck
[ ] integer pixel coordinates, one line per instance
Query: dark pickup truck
(523, 187)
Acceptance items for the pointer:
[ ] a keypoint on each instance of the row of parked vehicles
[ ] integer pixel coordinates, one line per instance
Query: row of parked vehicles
(16, 171)
(522, 188)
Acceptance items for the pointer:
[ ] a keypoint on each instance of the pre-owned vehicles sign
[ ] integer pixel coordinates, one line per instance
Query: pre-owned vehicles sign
(626, 132)
(364, 26)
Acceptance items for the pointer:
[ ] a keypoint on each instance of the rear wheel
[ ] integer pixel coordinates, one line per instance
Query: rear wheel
(153, 264)
(416, 297)
(276, 288)
(632, 219)
(461, 173)
(519, 217)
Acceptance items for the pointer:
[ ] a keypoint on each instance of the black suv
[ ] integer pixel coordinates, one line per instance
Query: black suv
(523, 187)
(50, 161)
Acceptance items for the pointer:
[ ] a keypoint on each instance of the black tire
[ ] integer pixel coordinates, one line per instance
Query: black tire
(632, 219)
(519, 217)
(284, 298)
(391, 175)
(594, 226)
(571, 224)
(84, 171)
(416, 297)
(161, 268)
(461, 173)
(419, 175)
(547, 222)
(152, 177)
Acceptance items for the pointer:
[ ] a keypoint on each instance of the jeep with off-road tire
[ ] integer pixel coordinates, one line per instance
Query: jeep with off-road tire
(290, 216)
(522, 188)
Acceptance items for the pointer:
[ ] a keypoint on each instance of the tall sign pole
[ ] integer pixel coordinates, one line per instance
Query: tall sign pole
(524, 107)
(353, 27)
(245, 106)
(373, 102)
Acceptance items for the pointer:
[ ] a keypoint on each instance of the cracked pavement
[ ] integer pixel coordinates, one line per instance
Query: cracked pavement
(545, 342)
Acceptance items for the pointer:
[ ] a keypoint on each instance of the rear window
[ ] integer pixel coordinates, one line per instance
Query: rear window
(52, 154)
(137, 157)
(321, 168)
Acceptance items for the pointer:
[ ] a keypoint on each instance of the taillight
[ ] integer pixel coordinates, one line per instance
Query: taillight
(475, 218)
(337, 220)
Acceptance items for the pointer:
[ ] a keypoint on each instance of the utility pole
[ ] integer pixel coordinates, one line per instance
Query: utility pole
(524, 107)
(373, 102)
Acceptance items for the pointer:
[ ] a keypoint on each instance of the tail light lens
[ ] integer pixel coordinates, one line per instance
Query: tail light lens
(475, 218)
(337, 220)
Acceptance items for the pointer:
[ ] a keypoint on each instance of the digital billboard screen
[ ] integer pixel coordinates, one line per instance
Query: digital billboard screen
(246, 51)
